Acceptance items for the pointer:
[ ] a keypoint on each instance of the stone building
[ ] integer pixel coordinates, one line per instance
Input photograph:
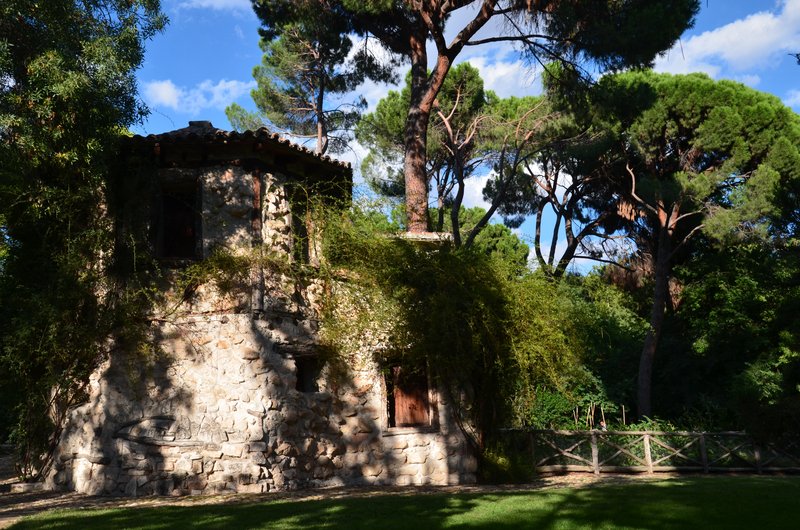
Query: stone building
(237, 397)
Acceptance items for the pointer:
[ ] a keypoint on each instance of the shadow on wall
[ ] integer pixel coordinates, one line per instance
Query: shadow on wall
(219, 409)
(122, 441)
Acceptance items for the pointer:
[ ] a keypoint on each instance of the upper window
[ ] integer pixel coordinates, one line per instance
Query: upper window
(180, 223)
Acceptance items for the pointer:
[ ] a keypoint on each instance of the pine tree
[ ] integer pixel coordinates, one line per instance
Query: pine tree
(309, 62)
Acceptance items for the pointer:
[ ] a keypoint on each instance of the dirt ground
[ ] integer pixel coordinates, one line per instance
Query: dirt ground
(13, 506)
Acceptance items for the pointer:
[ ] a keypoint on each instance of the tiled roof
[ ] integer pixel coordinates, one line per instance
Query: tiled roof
(204, 131)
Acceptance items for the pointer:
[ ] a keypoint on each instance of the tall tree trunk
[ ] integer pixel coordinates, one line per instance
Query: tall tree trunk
(416, 138)
(537, 240)
(322, 138)
(440, 212)
(551, 256)
(657, 311)
(455, 213)
(424, 89)
(322, 126)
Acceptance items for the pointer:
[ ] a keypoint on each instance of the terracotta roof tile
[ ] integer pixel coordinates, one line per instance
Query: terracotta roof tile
(204, 131)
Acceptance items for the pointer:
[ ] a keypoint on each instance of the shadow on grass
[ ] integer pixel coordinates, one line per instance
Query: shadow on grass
(704, 502)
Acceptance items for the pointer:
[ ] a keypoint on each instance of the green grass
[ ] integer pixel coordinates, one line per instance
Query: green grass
(700, 502)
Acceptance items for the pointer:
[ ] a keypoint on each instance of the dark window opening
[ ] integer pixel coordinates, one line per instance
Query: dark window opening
(180, 223)
(408, 403)
(309, 369)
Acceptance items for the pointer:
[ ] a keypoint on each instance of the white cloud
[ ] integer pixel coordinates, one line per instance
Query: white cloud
(473, 192)
(237, 30)
(162, 94)
(756, 41)
(374, 92)
(219, 5)
(506, 77)
(206, 95)
(677, 62)
(792, 98)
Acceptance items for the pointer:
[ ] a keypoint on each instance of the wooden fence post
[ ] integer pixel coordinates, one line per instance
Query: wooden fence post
(684, 455)
(703, 452)
(595, 455)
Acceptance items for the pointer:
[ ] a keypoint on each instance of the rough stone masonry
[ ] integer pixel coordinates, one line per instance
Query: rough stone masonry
(217, 405)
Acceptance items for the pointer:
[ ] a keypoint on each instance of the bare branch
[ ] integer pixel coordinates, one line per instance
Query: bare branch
(680, 245)
(633, 191)
(603, 260)
(506, 38)
(684, 216)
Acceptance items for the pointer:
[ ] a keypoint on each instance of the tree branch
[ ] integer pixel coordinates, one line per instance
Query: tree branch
(685, 240)
(633, 191)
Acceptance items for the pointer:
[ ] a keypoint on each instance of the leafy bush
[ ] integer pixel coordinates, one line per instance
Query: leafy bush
(508, 349)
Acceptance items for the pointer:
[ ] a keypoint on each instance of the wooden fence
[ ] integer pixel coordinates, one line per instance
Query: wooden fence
(555, 451)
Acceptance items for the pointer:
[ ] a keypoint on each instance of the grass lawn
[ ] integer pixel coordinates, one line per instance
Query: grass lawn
(766, 503)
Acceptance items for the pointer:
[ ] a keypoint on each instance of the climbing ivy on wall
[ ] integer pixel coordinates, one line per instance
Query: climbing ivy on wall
(486, 334)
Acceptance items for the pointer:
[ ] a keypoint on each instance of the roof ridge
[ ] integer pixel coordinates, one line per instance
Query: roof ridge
(202, 130)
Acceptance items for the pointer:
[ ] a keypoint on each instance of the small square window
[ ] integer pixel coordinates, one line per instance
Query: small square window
(407, 398)
(309, 369)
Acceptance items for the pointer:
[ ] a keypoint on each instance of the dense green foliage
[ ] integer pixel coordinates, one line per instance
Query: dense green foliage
(531, 349)
(670, 504)
(732, 348)
(67, 91)
(692, 155)
(494, 239)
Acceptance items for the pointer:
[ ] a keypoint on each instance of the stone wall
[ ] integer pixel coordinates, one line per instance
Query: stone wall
(215, 407)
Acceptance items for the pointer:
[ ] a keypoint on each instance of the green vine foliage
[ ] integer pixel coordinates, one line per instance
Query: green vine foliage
(508, 348)
(226, 271)
(438, 308)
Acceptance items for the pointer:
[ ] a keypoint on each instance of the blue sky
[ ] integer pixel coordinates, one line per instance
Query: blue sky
(204, 60)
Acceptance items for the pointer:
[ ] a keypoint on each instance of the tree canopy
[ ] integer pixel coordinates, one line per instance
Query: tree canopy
(607, 35)
(455, 138)
(564, 176)
(67, 93)
(694, 156)
(471, 130)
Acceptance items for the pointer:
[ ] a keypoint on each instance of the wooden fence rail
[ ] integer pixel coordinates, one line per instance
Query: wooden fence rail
(651, 451)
